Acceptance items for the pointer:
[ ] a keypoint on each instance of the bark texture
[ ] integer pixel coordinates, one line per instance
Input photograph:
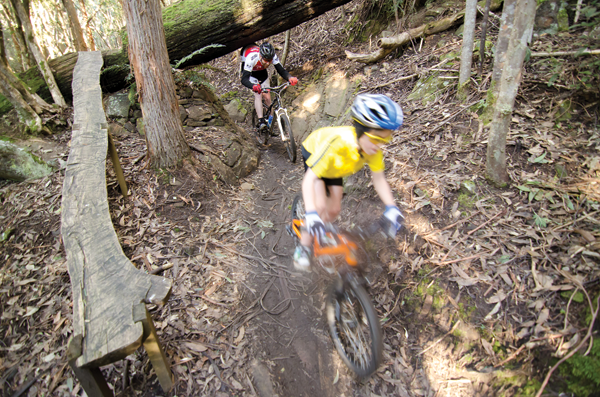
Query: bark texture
(23, 15)
(156, 88)
(466, 56)
(193, 24)
(509, 84)
(506, 27)
(75, 25)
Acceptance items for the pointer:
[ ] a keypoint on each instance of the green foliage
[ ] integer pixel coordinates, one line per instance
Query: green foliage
(466, 200)
(577, 298)
(557, 72)
(582, 373)
(590, 16)
(197, 52)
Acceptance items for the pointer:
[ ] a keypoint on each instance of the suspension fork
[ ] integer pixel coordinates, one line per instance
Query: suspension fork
(278, 114)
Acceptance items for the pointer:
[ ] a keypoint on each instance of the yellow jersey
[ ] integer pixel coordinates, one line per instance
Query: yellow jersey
(335, 153)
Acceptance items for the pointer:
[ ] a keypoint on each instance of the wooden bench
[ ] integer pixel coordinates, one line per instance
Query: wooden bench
(110, 319)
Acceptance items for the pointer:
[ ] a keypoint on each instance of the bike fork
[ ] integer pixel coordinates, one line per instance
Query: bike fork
(277, 114)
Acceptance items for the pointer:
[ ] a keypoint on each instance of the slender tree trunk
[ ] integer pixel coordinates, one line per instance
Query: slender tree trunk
(154, 78)
(87, 20)
(35, 50)
(27, 115)
(75, 26)
(486, 14)
(3, 57)
(466, 57)
(19, 37)
(506, 27)
(509, 85)
(286, 47)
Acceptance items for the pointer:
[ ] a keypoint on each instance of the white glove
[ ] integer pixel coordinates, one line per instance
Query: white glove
(394, 220)
(314, 225)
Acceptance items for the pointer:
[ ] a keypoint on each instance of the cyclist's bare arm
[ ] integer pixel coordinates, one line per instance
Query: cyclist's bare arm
(382, 188)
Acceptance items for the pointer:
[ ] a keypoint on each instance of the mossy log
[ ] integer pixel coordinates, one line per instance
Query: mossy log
(388, 44)
(191, 25)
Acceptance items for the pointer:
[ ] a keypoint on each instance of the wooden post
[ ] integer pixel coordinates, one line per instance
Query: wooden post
(153, 347)
(91, 379)
(114, 156)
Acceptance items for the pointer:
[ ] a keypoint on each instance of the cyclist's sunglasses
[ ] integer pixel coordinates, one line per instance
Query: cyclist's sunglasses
(378, 139)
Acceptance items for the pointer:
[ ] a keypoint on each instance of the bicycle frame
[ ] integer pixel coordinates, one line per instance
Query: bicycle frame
(276, 106)
(344, 247)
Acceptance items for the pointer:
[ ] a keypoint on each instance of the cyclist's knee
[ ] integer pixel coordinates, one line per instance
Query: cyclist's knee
(334, 211)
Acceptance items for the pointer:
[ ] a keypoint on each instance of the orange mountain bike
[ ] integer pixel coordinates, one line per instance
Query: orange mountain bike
(352, 319)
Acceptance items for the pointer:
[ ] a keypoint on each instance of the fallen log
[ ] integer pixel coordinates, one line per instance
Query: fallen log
(388, 44)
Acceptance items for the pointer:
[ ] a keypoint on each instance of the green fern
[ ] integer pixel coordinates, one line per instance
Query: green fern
(582, 373)
(200, 51)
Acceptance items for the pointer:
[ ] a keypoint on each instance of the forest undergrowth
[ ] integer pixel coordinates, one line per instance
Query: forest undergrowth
(485, 290)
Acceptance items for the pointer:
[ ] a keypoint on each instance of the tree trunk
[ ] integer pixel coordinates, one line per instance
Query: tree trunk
(506, 27)
(87, 20)
(19, 37)
(194, 24)
(466, 56)
(35, 50)
(217, 28)
(3, 57)
(27, 115)
(156, 87)
(75, 25)
(486, 14)
(509, 85)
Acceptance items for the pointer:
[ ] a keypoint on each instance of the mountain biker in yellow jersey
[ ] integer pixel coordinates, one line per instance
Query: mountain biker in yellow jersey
(255, 61)
(332, 153)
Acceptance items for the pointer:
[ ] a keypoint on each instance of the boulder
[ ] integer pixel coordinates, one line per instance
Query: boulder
(117, 105)
(236, 110)
(17, 164)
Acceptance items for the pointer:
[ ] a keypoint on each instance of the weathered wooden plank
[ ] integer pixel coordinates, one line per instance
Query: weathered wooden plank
(105, 283)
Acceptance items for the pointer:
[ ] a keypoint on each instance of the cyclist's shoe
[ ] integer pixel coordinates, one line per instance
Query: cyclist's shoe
(262, 123)
(301, 257)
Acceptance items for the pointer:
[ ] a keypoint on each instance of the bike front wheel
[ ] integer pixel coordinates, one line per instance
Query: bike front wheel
(354, 327)
(288, 136)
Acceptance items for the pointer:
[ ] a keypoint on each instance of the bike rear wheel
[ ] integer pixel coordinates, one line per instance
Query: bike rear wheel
(290, 144)
(354, 327)
(261, 133)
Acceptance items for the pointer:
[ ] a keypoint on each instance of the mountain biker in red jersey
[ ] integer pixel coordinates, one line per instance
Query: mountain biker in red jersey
(255, 61)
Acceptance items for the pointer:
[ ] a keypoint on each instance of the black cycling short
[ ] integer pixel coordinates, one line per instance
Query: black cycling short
(260, 75)
(328, 181)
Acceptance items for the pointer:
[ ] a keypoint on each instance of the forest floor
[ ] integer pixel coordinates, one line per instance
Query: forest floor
(483, 291)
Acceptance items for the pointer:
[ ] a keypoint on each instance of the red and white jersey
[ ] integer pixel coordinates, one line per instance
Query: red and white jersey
(251, 59)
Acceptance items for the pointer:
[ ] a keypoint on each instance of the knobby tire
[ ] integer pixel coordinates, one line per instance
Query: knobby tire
(343, 323)
(290, 144)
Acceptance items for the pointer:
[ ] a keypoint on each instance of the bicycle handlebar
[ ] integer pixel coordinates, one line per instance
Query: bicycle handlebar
(277, 89)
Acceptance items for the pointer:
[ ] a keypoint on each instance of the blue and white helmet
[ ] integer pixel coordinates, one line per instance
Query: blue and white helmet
(377, 111)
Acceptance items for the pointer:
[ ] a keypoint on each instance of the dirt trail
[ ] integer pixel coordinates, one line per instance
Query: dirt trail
(289, 337)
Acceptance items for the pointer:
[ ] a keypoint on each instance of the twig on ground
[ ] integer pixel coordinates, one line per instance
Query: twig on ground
(439, 340)
(486, 222)
(573, 351)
